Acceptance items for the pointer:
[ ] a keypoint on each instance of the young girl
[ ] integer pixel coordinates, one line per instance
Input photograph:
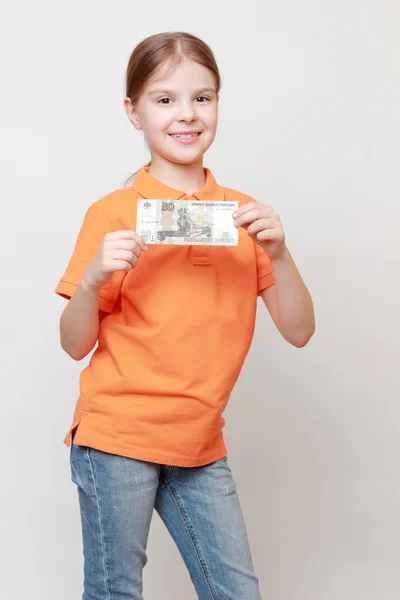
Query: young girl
(174, 324)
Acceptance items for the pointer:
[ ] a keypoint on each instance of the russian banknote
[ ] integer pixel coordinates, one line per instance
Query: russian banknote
(191, 222)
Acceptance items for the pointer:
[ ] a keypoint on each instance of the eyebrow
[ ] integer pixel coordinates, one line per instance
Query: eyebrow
(164, 91)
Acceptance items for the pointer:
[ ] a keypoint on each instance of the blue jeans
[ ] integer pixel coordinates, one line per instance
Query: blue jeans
(199, 506)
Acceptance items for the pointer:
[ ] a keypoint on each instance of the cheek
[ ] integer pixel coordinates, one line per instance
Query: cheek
(157, 123)
(210, 118)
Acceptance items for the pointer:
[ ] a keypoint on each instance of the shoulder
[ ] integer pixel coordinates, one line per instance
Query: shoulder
(117, 198)
(241, 197)
(115, 203)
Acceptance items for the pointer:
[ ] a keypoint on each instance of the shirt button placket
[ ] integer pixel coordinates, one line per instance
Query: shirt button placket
(201, 255)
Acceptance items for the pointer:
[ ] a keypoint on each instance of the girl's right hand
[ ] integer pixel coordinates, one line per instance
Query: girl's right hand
(119, 251)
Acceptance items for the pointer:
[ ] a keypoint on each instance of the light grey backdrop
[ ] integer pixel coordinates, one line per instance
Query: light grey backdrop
(309, 124)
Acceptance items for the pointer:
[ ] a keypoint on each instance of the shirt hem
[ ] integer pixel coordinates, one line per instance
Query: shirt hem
(83, 439)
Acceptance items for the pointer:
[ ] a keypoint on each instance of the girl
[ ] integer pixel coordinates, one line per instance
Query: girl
(174, 325)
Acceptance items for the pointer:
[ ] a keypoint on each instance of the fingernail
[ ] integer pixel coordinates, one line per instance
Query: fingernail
(234, 214)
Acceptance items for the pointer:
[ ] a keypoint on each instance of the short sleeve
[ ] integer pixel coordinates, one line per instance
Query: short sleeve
(94, 227)
(265, 275)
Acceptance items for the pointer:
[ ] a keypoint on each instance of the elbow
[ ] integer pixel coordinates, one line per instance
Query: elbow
(76, 354)
(73, 354)
(299, 338)
(76, 349)
(300, 343)
(302, 340)
(77, 357)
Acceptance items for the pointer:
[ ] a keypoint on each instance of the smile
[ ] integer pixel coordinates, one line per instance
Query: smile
(185, 136)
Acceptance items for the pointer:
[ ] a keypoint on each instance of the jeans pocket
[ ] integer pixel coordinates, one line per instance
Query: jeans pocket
(78, 461)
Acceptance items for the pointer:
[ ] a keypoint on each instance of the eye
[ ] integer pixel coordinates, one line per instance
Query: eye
(166, 100)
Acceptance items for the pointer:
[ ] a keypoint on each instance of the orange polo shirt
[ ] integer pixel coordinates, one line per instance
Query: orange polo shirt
(177, 331)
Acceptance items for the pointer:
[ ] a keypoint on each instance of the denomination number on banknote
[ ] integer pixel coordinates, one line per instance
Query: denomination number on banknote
(167, 206)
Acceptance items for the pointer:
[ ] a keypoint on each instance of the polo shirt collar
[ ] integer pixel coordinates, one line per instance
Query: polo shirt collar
(149, 187)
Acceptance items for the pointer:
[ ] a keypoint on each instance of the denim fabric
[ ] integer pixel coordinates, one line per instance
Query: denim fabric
(199, 506)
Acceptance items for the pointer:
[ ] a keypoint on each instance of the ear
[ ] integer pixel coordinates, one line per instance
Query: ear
(132, 113)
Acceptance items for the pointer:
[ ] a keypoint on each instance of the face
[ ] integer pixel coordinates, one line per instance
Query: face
(178, 102)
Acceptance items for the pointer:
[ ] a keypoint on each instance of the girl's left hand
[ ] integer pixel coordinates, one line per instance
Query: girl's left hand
(263, 226)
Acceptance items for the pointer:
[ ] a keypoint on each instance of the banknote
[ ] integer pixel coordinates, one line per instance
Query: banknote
(190, 222)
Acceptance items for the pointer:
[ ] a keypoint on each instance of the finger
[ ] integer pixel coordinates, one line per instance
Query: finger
(250, 216)
(244, 209)
(122, 265)
(249, 206)
(127, 234)
(273, 235)
(129, 245)
(259, 225)
(126, 255)
(139, 240)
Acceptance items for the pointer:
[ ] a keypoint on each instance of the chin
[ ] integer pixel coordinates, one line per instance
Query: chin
(183, 160)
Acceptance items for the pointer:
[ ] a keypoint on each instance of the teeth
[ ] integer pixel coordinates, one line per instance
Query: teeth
(185, 136)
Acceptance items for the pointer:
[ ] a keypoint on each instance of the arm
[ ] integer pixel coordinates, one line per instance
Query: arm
(119, 251)
(79, 322)
(289, 302)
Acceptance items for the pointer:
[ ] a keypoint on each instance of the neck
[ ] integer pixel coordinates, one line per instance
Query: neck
(188, 178)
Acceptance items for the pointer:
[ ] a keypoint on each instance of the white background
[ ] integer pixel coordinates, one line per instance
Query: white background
(309, 123)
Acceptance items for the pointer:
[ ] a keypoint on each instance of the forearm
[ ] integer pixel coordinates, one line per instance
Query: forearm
(79, 323)
(294, 306)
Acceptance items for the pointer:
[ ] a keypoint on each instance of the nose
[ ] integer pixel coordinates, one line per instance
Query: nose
(187, 113)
